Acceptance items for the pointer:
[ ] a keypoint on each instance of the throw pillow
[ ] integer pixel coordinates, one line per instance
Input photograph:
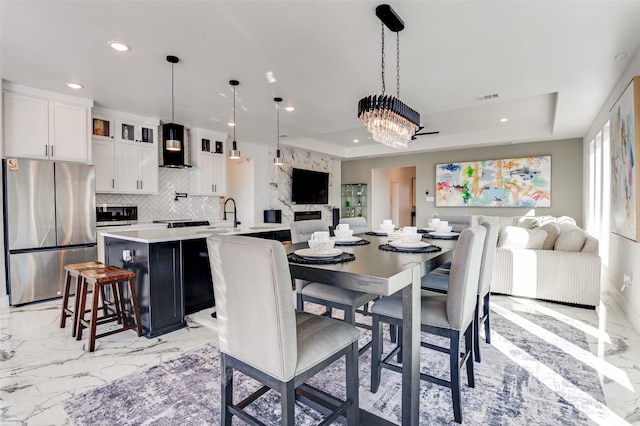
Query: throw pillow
(591, 245)
(552, 230)
(515, 237)
(570, 239)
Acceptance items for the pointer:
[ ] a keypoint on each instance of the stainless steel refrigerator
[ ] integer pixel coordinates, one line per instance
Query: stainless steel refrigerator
(49, 222)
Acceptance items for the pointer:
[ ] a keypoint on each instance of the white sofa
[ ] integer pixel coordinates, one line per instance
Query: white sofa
(544, 258)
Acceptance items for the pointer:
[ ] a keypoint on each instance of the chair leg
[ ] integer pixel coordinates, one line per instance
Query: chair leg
(485, 319)
(376, 352)
(287, 401)
(393, 333)
(353, 412)
(454, 366)
(80, 308)
(469, 346)
(94, 317)
(299, 301)
(476, 330)
(226, 392)
(65, 299)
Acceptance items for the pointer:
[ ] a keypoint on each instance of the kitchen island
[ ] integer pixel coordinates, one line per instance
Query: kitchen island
(173, 276)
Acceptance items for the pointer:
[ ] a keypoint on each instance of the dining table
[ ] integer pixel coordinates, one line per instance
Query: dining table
(384, 273)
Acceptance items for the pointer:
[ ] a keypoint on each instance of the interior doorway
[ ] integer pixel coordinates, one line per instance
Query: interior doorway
(391, 195)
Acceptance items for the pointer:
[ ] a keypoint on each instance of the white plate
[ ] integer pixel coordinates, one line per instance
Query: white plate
(428, 229)
(382, 232)
(444, 234)
(310, 254)
(351, 239)
(400, 244)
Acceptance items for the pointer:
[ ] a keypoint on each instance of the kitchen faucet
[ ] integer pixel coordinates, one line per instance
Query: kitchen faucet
(235, 212)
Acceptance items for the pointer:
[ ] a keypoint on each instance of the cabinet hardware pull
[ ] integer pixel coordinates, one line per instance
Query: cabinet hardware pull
(140, 184)
(52, 150)
(113, 183)
(46, 150)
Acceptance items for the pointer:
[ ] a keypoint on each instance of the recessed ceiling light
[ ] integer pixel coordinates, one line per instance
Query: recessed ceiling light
(356, 141)
(289, 108)
(120, 47)
(270, 77)
(504, 120)
(75, 85)
(231, 124)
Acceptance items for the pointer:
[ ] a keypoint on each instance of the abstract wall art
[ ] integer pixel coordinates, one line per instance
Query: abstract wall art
(625, 143)
(509, 182)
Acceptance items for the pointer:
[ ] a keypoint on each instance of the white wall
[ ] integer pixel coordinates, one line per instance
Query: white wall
(623, 253)
(566, 177)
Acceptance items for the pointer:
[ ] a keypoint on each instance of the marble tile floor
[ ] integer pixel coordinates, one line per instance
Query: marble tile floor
(41, 365)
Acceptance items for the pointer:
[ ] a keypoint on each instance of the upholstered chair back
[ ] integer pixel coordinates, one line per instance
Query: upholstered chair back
(488, 257)
(256, 317)
(358, 224)
(464, 277)
(302, 230)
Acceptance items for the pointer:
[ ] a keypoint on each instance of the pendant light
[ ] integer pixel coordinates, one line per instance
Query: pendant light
(172, 141)
(389, 120)
(234, 154)
(277, 161)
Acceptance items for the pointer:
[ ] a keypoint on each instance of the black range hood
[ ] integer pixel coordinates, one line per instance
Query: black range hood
(173, 159)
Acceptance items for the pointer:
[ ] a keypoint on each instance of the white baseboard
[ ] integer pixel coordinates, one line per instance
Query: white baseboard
(621, 300)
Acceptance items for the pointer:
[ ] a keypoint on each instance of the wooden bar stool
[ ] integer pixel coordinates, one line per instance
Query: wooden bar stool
(97, 280)
(73, 271)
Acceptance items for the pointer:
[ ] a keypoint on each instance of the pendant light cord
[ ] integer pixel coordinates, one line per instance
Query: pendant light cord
(172, 116)
(278, 125)
(234, 113)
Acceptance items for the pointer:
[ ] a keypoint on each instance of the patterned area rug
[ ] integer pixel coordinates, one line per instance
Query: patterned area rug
(521, 380)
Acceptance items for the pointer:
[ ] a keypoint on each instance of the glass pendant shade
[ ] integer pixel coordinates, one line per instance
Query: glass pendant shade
(234, 154)
(172, 143)
(277, 161)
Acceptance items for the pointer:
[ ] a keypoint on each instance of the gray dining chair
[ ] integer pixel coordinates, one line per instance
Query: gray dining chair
(439, 282)
(349, 301)
(261, 334)
(447, 316)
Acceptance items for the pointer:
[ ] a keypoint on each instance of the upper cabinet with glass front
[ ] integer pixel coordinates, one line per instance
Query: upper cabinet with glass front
(45, 125)
(125, 152)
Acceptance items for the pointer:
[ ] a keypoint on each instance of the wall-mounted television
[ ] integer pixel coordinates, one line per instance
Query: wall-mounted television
(309, 187)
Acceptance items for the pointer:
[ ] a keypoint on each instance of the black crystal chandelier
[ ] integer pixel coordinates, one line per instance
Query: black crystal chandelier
(389, 120)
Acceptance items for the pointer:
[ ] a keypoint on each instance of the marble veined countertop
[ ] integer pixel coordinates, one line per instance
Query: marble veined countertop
(155, 235)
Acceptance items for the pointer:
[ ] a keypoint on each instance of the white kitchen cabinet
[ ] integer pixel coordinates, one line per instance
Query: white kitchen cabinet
(136, 168)
(125, 148)
(39, 126)
(104, 158)
(207, 155)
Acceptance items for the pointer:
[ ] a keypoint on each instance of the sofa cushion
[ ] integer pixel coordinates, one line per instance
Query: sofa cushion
(591, 245)
(570, 239)
(552, 230)
(515, 237)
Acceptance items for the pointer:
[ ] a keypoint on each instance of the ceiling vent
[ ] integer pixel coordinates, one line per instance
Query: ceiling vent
(487, 97)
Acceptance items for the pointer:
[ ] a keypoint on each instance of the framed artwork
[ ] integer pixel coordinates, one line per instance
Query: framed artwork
(625, 143)
(509, 182)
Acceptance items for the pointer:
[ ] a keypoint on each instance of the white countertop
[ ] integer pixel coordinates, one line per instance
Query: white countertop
(155, 235)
